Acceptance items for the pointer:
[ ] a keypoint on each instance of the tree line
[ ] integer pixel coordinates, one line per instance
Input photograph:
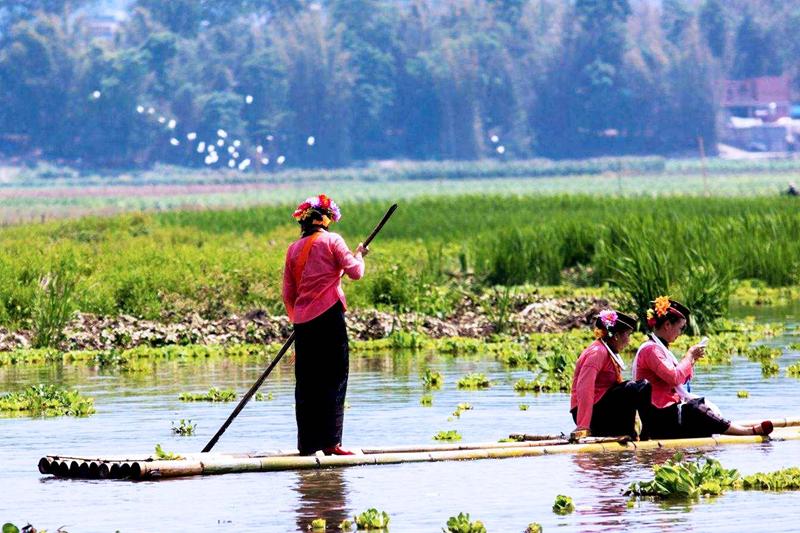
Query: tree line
(339, 81)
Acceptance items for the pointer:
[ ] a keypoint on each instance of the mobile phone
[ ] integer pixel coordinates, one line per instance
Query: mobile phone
(703, 342)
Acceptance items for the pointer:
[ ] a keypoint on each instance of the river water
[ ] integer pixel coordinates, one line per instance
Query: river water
(134, 412)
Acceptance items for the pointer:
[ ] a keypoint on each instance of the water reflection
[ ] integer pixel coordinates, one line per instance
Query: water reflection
(323, 494)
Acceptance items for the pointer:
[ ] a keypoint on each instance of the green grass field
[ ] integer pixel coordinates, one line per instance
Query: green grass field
(215, 262)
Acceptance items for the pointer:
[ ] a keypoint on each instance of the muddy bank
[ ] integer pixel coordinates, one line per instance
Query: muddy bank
(90, 332)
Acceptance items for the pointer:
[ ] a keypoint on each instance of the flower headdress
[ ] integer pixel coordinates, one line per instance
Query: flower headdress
(608, 318)
(660, 308)
(321, 204)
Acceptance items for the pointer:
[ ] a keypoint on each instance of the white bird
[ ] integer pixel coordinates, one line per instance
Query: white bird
(150, 110)
(222, 133)
(501, 149)
(311, 140)
(495, 139)
(231, 163)
(265, 160)
(172, 123)
(221, 142)
(259, 149)
(244, 164)
(231, 149)
(248, 99)
(161, 120)
(237, 143)
(270, 137)
(174, 141)
(140, 109)
(281, 160)
(201, 147)
(96, 95)
(191, 136)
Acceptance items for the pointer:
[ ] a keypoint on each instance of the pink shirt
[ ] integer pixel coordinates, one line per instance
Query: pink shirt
(595, 373)
(320, 285)
(658, 367)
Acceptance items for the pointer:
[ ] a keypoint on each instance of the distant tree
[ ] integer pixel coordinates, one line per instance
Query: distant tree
(676, 17)
(714, 26)
(755, 51)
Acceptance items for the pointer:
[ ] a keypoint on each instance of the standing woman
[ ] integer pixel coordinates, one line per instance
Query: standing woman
(315, 302)
(673, 412)
(602, 404)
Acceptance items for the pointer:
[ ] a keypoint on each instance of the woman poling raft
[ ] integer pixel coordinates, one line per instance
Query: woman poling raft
(315, 302)
(602, 403)
(673, 411)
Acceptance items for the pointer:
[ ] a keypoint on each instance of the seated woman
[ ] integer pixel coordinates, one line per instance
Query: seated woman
(672, 411)
(602, 404)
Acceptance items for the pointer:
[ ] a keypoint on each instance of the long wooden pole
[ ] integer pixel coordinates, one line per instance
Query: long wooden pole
(283, 350)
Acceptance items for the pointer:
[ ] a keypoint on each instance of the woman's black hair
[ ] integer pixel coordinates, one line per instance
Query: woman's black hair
(307, 226)
(624, 323)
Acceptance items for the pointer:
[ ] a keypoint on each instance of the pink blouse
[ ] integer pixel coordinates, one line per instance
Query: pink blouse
(657, 367)
(595, 373)
(320, 285)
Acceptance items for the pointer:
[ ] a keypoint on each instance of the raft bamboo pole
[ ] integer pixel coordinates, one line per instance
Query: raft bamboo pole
(216, 464)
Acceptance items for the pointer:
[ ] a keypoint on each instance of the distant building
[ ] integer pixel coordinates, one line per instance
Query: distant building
(768, 98)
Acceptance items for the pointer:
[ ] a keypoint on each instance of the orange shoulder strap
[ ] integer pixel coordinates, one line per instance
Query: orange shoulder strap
(300, 265)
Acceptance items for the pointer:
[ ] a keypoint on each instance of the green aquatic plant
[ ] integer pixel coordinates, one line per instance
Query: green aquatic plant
(450, 435)
(762, 353)
(184, 428)
(786, 479)
(523, 406)
(462, 524)
(534, 527)
(742, 394)
(213, 395)
(318, 524)
(260, 396)
(426, 400)
(474, 381)
(684, 479)
(793, 370)
(162, 455)
(431, 379)
(372, 519)
(345, 525)
(47, 400)
(563, 505)
(53, 306)
(769, 368)
(460, 408)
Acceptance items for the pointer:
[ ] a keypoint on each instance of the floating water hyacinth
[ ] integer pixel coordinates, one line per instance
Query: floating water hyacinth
(140, 109)
(201, 147)
(281, 160)
(237, 143)
(495, 139)
(191, 136)
(174, 142)
(248, 99)
(259, 149)
(311, 140)
(222, 133)
(172, 123)
(501, 149)
(96, 95)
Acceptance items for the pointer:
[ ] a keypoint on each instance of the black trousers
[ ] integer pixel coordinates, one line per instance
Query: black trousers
(321, 371)
(615, 413)
(689, 420)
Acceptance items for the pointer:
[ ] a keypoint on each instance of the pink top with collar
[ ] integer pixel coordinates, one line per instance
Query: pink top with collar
(320, 285)
(657, 367)
(595, 373)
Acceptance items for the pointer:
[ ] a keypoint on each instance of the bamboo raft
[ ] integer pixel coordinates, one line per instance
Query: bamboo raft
(205, 464)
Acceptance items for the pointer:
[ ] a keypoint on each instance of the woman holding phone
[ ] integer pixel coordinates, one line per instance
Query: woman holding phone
(673, 412)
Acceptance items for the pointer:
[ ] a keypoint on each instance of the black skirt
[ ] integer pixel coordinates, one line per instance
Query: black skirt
(321, 371)
(615, 413)
(689, 420)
